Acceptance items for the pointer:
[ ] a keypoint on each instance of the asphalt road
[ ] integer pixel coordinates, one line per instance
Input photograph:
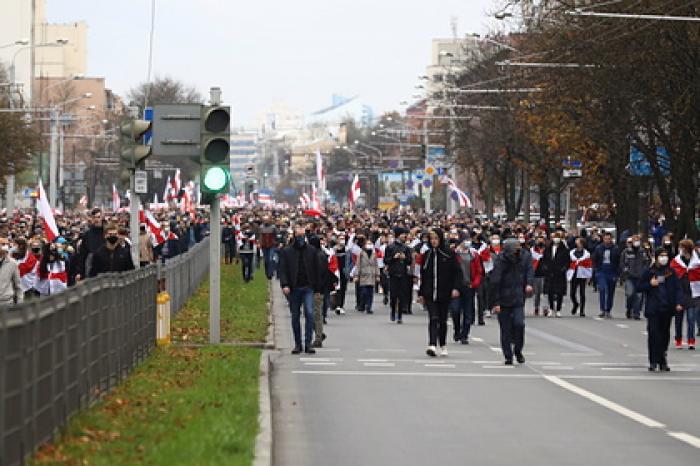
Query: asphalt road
(372, 397)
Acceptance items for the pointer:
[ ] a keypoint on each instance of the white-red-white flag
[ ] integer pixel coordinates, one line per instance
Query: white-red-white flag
(315, 203)
(320, 172)
(116, 201)
(354, 191)
(84, 201)
(45, 212)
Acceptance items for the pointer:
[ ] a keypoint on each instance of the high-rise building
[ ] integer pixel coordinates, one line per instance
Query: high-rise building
(244, 156)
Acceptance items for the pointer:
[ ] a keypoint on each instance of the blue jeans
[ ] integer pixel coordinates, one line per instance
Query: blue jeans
(606, 291)
(512, 323)
(366, 297)
(269, 258)
(691, 315)
(297, 298)
(247, 264)
(634, 299)
(462, 309)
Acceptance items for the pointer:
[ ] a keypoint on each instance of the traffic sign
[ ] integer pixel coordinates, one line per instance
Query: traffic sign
(141, 182)
(572, 173)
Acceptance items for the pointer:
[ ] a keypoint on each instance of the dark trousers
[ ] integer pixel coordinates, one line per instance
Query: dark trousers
(555, 301)
(247, 261)
(340, 293)
(269, 259)
(384, 282)
(578, 294)
(606, 291)
(398, 294)
(437, 324)
(658, 336)
(463, 313)
(229, 252)
(301, 298)
(482, 298)
(366, 297)
(512, 323)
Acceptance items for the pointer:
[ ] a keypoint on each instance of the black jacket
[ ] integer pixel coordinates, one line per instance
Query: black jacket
(510, 275)
(397, 267)
(663, 298)
(555, 269)
(91, 241)
(289, 267)
(449, 275)
(117, 260)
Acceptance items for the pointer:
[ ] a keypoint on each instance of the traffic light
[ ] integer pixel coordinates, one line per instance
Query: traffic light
(133, 152)
(215, 147)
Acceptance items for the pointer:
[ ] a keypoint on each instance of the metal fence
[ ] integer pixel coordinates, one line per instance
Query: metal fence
(60, 353)
(184, 273)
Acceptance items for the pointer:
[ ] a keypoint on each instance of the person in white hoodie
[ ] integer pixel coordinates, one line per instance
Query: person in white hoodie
(10, 287)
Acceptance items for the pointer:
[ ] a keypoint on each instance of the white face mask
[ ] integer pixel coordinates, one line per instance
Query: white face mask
(467, 244)
(521, 240)
(663, 260)
(636, 244)
(556, 240)
(495, 242)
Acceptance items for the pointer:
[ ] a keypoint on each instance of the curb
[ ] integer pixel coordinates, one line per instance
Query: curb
(263, 441)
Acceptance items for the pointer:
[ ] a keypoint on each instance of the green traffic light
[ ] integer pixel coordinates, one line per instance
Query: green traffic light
(215, 179)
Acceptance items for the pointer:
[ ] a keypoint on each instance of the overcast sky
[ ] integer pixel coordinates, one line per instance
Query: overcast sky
(265, 51)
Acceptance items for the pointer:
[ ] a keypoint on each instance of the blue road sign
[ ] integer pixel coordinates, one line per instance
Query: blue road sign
(639, 165)
(148, 135)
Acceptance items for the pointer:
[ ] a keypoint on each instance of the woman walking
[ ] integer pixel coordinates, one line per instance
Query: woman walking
(579, 273)
(440, 280)
(663, 299)
(366, 274)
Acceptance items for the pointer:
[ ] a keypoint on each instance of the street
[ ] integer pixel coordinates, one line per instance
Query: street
(372, 397)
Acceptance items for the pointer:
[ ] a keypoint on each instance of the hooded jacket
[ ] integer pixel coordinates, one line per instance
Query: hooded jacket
(511, 274)
(440, 273)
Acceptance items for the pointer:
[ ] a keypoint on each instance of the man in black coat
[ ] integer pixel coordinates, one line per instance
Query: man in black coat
(113, 256)
(511, 282)
(300, 277)
(90, 242)
(440, 280)
(555, 263)
(398, 259)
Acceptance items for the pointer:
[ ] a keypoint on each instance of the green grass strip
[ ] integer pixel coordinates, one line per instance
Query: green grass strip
(243, 310)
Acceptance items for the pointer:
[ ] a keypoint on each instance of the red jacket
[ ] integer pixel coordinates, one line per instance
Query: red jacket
(476, 268)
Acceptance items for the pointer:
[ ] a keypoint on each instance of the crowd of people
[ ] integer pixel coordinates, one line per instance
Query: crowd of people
(448, 266)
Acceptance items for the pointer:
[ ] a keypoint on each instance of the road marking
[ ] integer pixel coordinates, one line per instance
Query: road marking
(622, 326)
(543, 363)
(374, 350)
(604, 402)
(328, 350)
(630, 378)
(575, 355)
(624, 369)
(577, 347)
(494, 349)
(598, 318)
(687, 438)
(498, 367)
(372, 360)
(321, 363)
(460, 352)
(558, 368)
(452, 366)
(478, 340)
(379, 364)
(486, 362)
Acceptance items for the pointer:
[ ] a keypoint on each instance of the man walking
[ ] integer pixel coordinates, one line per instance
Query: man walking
(633, 262)
(398, 259)
(299, 274)
(606, 265)
(511, 281)
(268, 240)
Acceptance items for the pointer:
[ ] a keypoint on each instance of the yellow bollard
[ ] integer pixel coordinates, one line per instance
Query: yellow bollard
(163, 323)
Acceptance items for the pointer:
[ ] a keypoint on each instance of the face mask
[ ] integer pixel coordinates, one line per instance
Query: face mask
(667, 243)
(521, 240)
(495, 242)
(4, 248)
(36, 250)
(368, 247)
(556, 240)
(663, 260)
(112, 239)
(636, 244)
(467, 244)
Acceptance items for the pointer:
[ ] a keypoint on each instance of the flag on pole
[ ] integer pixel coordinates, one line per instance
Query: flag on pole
(84, 201)
(177, 183)
(458, 195)
(166, 193)
(315, 203)
(354, 191)
(116, 201)
(320, 173)
(304, 201)
(46, 213)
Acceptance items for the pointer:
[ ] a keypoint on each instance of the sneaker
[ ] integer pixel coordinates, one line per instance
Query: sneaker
(481, 322)
(443, 351)
(574, 311)
(691, 343)
(601, 315)
(310, 350)
(399, 321)
(583, 314)
(317, 344)
(296, 350)
(509, 362)
(370, 312)
(464, 341)
(608, 315)
(679, 343)
(431, 351)
(557, 314)
(520, 358)
(537, 312)
(392, 317)
(487, 314)
(341, 311)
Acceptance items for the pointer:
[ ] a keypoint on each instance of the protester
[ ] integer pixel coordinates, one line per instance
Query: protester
(554, 265)
(10, 286)
(606, 262)
(398, 259)
(366, 274)
(634, 260)
(686, 265)
(579, 273)
(113, 256)
(472, 273)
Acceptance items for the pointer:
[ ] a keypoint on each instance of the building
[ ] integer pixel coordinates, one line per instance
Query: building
(244, 156)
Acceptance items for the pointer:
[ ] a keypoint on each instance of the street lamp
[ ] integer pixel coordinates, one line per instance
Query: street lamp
(15, 43)
(58, 43)
(72, 78)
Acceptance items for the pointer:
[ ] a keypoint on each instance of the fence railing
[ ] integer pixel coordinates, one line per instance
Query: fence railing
(58, 354)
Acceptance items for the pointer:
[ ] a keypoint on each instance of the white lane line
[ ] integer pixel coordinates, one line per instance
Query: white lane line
(379, 364)
(604, 402)
(327, 350)
(498, 367)
(543, 363)
(558, 368)
(478, 340)
(623, 369)
(372, 360)
(375, 350)
(494, 349)
(319, 363)
(487, 362)
(627, 378)
(460, 352)
(315, 359)
(575, 355)
(687, 438)
(451, 366)
(597, 318)
(622, 326)
(623, 364)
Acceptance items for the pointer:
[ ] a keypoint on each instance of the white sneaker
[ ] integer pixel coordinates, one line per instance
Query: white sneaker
(431, 351)
(487, 314)
(341, 311)
(443, 351)
(558, 314)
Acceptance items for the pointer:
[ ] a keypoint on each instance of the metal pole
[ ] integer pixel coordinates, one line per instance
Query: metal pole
(53, 158)
(10, 185)
(215, 273)
(428, 191)
(60, 160)
(134, 219)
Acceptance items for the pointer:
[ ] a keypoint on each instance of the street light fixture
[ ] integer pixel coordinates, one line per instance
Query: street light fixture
(15, 43)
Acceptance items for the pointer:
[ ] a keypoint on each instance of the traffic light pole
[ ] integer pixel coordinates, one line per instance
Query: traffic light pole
(134, 219)
(215, 272)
